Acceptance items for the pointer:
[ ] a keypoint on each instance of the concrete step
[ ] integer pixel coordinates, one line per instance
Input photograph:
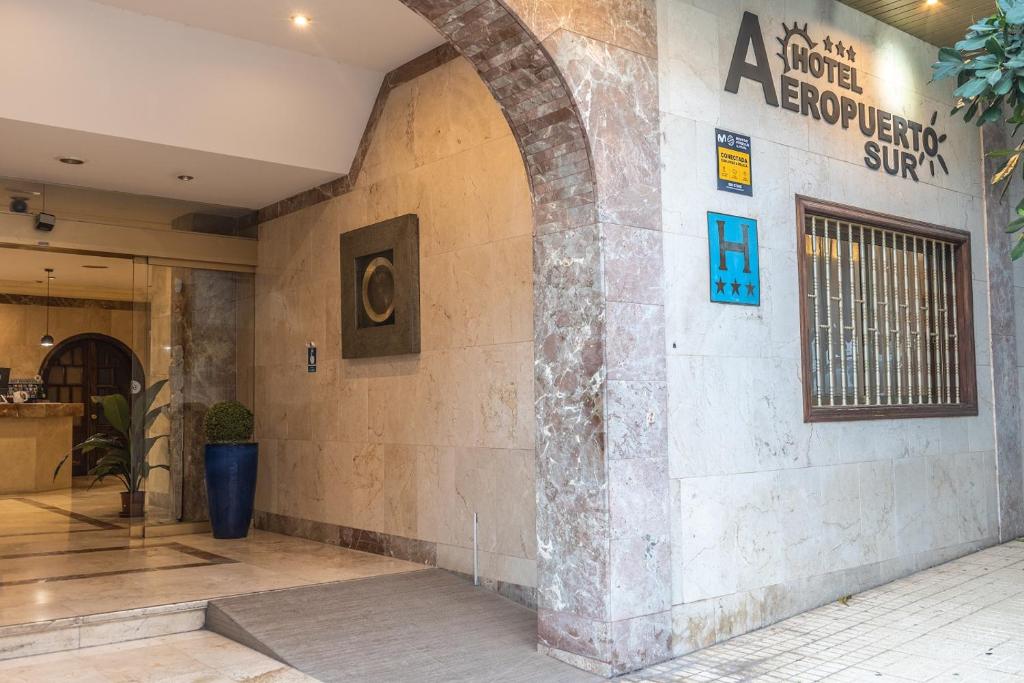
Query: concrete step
(71, 633)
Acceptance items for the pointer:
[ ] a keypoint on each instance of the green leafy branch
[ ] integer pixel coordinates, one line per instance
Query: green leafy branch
(989, 67)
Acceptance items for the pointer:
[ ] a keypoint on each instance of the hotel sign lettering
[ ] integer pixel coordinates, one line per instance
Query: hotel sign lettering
(820, 80)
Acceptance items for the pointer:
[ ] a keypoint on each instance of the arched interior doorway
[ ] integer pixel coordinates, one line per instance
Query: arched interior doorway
(84, 366)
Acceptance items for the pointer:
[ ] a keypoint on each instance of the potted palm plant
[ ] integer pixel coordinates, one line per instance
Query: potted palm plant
(231, 462)
(124, 453)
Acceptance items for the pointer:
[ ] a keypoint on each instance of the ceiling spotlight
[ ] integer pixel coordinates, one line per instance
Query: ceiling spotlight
(185, 178)
(931, 3)
(71, 161)
(301, 20)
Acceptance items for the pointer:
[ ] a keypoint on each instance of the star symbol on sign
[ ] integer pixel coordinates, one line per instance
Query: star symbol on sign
(850, 54)
(735, 287)
(840, 50)
(828, 43)
(719, 286)
(750, 289)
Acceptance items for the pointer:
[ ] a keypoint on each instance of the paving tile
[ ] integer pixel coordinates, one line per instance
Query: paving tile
(961, 621)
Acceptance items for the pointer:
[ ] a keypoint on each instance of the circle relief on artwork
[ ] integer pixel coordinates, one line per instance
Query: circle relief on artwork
(378, 291)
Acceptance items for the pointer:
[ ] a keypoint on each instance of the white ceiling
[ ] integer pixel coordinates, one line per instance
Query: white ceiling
(23, 273)
(30, 152)
(228, 91)
(375, 34)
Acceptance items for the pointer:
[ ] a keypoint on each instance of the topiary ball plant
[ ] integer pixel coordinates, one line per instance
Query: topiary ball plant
(228, 422)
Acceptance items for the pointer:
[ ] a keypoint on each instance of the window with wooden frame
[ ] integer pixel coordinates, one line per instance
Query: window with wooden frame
(886, 322)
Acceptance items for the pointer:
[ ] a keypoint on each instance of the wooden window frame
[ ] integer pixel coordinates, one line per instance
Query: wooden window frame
(967, 366)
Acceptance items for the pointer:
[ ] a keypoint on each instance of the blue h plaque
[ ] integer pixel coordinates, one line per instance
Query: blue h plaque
(735, 270)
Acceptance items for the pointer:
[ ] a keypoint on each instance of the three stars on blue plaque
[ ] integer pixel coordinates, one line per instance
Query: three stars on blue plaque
(735, 269)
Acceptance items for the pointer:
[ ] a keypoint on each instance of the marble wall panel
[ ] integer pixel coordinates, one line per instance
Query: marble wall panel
(616, 91)
(628, 24)
(410, 447)
(770, 514)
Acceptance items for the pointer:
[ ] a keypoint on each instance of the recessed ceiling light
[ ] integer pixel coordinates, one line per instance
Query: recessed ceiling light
(71, 161)
(185, 178)
(301, 20)
(931, 3)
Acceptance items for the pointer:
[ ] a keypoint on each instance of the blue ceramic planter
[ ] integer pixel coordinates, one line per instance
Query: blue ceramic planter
(231, 487)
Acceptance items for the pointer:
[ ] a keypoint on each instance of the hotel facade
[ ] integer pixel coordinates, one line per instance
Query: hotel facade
(715, 319)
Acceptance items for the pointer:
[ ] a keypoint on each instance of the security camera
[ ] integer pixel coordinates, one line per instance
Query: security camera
(45, 222)
(19, 205)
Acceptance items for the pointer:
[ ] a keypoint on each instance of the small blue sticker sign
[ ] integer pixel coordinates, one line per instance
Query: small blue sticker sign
(735, 269)
(311, 358)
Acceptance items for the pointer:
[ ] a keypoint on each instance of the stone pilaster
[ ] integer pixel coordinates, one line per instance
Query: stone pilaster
(583, 106)
(1005, 378)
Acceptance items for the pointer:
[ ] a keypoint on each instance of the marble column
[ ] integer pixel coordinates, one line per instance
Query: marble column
(1001, 316)
(584, 107)
(204, 336)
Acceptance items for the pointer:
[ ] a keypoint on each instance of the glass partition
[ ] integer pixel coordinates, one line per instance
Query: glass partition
(201, 327)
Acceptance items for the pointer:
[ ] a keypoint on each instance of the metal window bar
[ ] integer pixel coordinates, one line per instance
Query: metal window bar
(945, 325)
(917, 324)
(853, 316)
(814, 307)
(907, 336)
(828, 318)
(928, 319)
(876, 327)
(864, 316)
(842, 317)
(897, 336)
(918, 349)
(937, 309)
(955, 335)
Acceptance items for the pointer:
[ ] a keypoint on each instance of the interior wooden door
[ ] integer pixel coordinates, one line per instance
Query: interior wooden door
(82, 367)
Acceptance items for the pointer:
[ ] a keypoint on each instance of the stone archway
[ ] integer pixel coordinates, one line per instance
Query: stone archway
(603, 565)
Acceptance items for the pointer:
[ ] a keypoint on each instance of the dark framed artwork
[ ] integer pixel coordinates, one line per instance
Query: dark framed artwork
(380, 289)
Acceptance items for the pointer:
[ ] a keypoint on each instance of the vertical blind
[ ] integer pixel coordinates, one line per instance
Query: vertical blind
(881, 315)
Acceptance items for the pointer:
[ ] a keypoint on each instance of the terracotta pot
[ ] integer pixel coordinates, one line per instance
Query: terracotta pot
(134, 504)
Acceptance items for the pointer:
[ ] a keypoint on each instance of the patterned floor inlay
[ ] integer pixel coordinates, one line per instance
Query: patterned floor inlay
(77, 516)
(152, 556)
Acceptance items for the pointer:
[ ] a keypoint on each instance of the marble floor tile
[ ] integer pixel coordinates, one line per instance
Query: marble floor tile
(68, 554)
(960, 621)
(195, 656)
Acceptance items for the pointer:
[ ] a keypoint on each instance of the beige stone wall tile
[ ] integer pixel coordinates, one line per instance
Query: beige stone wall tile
(266, 477)
(411, 445)
(453, 112)
(431, 489)
(300, 488)
(515, 526)
(334, 463)
(392, 148)
(479, 296)
(367, 488)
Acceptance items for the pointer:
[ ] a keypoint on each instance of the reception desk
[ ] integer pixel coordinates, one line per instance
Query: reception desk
(33, 439)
